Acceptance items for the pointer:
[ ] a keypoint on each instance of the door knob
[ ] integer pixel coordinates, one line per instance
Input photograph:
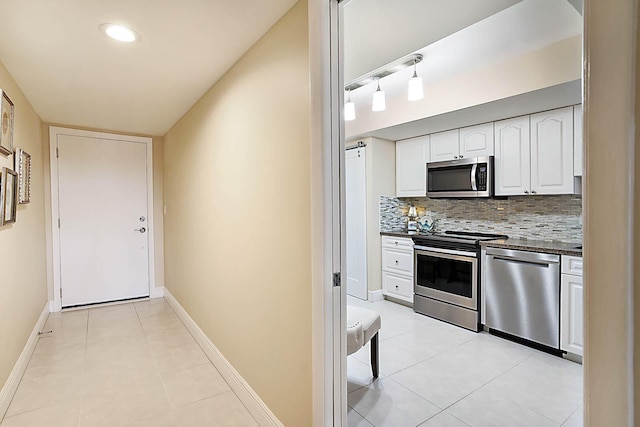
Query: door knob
(141, 229)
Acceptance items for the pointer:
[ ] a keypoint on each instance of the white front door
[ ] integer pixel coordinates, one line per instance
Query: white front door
(356, 222)
(104, 228)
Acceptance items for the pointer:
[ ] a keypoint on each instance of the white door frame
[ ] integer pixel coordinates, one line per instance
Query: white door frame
(54, 132)
(327, 164)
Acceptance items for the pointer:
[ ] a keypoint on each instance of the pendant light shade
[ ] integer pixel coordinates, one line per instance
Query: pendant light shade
(416, 91)
(379, 103)
(349, 109)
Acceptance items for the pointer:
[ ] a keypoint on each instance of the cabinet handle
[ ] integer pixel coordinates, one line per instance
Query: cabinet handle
(461, 156)
(455, 157)
(396, 243)
(533, 192)
(396, 286)
(526, 191)
(396, 262)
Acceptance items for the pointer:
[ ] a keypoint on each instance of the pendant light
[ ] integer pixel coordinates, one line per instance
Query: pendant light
(349, 109)
(416, 91)
(379, 103)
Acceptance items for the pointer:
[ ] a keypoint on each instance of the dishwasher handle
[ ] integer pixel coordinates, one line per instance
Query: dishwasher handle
(523, 256)
(520, 261)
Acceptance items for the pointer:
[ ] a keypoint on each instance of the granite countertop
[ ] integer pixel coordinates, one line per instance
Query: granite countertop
(398, 233)
(551, 247)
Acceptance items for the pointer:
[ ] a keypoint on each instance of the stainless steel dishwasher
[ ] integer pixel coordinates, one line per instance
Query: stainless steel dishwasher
(523, 295)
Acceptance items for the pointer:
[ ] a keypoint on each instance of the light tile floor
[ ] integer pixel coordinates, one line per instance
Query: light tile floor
(132, 364)
(439, 375)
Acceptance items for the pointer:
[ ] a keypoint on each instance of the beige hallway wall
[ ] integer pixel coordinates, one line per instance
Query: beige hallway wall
(237, 227)
(23, 280)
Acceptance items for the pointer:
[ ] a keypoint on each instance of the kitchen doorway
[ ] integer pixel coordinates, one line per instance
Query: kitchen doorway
(102, 199)
(390, 312)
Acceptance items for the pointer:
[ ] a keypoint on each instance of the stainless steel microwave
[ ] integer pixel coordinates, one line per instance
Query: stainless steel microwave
(461, 178)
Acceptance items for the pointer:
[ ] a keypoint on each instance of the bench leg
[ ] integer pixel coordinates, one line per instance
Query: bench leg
(375, 353)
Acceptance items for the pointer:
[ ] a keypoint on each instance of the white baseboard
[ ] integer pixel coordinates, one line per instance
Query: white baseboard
(10, 387)
(376, 295)
(243, 390)
(156, 293)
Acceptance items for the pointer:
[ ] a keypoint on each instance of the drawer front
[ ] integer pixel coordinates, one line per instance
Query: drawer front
(397, 261)
(572, 265)
(400, 287)
(397, 243)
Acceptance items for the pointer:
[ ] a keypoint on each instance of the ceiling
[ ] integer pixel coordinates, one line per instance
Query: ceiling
(514, 31)
(377, 32)
(73, 74)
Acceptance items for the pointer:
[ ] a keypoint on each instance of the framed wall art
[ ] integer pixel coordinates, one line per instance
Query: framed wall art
(8, 196)
(6, 124)
(22, 165)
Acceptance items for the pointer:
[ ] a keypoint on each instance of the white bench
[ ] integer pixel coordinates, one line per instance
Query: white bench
(363, 325)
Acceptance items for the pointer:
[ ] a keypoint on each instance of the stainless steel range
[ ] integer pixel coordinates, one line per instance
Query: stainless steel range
(447, 276)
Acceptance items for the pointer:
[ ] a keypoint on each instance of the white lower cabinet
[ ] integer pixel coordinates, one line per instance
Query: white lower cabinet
(572, 306)
(397, 268)
(397, 286)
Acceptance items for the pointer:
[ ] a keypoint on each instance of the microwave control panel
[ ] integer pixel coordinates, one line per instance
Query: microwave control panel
(481, 177)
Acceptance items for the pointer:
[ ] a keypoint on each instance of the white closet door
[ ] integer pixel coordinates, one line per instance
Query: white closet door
(356, 218)
(104, 248)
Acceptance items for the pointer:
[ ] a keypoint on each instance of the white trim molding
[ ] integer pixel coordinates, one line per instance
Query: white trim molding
(11, 386)
(242, 389)
(54, 132)
(156, 293)
(376, 295)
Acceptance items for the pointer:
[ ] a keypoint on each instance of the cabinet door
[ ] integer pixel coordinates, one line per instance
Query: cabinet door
(571, 314)
(445, 146)
(512, 157)
(476, 141)
(577, 140)
(552, 152)
(412, 156)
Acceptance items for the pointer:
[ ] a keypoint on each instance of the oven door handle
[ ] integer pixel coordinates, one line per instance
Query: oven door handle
(446, 252)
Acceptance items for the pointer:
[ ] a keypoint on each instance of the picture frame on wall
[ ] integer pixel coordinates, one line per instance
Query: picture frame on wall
(6, 124)
(8, 196)
(22, 165)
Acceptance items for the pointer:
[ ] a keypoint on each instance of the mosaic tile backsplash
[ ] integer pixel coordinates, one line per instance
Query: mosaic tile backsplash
(530, 217)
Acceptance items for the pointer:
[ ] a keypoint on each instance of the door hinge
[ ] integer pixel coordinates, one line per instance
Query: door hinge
(337, 279)
(57, 154)
(60, 292)
(58, 222)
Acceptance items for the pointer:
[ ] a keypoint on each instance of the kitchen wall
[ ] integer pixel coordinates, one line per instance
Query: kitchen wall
(238, 222)
(23, 280)
(530, 217)
(551, 65)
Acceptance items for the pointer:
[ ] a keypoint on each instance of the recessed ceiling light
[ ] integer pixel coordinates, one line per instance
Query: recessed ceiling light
(119, 32)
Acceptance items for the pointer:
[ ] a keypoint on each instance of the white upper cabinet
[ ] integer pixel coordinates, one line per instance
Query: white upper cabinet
(412, 156)
(476, 141)
(445, 146)
(552, 152)
(577, 140)
(512, 157)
